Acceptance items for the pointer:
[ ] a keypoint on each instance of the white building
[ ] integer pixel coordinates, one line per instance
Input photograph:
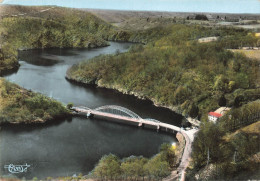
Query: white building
(214, 116)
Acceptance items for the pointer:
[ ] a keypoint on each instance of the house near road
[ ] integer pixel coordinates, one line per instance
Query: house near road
(214, 116)
(207, 39)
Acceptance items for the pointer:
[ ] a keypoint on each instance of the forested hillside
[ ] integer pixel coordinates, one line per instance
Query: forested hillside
(18, 105)
(174, 70)
(57, 27)
(48, 28)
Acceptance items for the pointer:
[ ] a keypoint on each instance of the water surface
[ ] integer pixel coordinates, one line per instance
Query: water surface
(75, 145)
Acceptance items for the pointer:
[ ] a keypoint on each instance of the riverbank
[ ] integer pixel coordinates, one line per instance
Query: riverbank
(18, 105)
(100, 84)
(174, 71)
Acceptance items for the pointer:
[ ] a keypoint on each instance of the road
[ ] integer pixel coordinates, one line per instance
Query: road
(181, 170)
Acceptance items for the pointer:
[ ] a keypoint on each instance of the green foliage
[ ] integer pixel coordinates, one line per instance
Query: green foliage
(108, 167)
(208, 139)
(8, 58)
(241, 116)
(156, 168)
(20, 105)
(225, 146)
(135, 168)
(222, 101)
(69, 105)
(221, 83)
(57, 27)
(172, 68)
(201, 17)
(167, 154)
(193, 110)
(29, 32)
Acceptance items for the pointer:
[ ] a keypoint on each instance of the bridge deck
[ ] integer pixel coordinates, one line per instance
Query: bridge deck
(125, 118)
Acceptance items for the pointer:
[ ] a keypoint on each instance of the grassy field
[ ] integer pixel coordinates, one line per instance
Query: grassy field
(250, 129)
(254, 54)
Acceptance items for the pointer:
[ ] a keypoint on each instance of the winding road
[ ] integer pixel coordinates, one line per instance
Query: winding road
(181, 170)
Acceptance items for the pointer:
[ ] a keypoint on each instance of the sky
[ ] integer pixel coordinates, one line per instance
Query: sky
(225, 6)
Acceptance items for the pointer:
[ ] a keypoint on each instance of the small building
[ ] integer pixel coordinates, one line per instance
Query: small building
(207, 39)
(213, 116)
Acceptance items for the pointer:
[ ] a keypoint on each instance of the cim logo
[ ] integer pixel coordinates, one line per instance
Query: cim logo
(17, 168)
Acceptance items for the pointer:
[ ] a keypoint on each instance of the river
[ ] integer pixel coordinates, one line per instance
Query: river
(73, 146)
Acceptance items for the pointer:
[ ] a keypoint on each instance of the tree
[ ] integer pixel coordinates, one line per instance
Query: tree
(238, 100)
(193, 110)
(206, 144)
(69, 105)
(108, 167)
(231, 85)
(167, 153)
(157, 168)
(201, 17)
(222, 101)
(181, 94)
(242, 80)
(133, 167)
(221, 83)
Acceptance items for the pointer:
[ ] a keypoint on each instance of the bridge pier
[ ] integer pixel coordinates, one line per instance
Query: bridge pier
(90, 115)
(140, 124)
(158, 128)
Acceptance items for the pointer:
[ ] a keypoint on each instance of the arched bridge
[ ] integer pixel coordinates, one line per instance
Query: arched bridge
(123, 114)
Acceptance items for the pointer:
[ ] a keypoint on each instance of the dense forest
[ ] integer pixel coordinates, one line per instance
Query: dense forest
(22, 106)
(174, 70)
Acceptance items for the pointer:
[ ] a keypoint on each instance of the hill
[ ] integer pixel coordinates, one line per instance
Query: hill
(176, 71)
(22, 106)
(140, 20)
(48, 27)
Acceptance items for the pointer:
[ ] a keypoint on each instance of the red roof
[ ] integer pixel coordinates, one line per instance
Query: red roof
(215, 114)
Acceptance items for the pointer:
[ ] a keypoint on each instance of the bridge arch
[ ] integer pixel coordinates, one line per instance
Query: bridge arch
(118, 110)
(153, 120)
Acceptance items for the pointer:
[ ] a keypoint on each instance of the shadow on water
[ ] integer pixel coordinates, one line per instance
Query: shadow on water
(38, 57)
(23, 127)
(9, 72)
